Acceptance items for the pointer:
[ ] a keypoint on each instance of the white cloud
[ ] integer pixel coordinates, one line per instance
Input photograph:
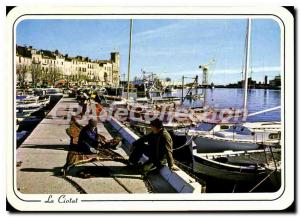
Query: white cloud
(236, 70)
(267, 69)
(159, 31)
(163, 31)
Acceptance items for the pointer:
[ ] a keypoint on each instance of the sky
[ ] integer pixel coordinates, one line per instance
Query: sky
(167, 47)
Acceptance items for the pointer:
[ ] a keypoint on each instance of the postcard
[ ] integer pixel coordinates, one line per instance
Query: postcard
(150, 108)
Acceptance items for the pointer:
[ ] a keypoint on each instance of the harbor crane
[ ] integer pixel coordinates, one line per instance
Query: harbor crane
(205, 71)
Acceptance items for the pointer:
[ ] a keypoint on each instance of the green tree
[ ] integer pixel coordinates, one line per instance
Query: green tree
(21, 71)
(36, 73)
(55, 74)
(81, 77)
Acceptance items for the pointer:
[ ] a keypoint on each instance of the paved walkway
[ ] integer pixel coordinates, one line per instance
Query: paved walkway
(44, 152)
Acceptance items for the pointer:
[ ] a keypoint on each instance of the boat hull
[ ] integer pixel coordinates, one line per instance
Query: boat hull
(218, 171)
(208, 144)
(231, 166)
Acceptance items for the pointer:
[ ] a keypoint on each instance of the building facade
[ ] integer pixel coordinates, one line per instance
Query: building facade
(276, 82)
(54, 66)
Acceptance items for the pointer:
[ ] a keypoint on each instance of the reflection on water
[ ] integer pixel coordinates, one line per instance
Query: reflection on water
(258, 100)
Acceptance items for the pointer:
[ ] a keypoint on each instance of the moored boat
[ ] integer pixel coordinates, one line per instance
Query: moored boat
(170, 89)
(28, 104)
(213, 137)
(234, 165)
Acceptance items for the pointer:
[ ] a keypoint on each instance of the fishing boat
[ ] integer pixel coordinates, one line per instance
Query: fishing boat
(28, 104)
(30, 108)
(44, 98)
(234, 165)
(155, 96)
(174, 116)
(143, 126)
(114, 91)
(21, 135)
(102, 90)
(218, 137)
(54, 93)
(195, 96)
(170, 89)
(217, 166)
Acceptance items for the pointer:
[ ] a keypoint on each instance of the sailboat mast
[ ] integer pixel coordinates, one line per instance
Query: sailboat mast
(246, 68)
(129, 58)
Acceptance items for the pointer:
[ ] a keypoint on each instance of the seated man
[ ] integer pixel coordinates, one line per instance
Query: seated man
(89, 139)
(157, 152)
(87, 145)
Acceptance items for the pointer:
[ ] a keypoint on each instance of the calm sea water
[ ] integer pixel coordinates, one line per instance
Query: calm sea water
(258, 100)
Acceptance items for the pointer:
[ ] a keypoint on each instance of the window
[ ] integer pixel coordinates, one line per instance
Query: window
(224, 127)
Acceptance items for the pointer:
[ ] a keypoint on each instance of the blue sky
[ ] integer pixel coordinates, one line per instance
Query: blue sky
(167, 47)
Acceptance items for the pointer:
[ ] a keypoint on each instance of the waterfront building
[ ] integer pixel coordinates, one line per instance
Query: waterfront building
(276, 82)
(44, 66)
(266, 80)
(251, 83)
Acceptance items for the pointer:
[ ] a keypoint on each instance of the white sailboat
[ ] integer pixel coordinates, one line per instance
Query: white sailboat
(212, 137)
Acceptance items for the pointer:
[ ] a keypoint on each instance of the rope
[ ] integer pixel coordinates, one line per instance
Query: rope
(78, 188)
(263, 111)
(115, 178)
(148, 184)
(262, 181)
(185, 144)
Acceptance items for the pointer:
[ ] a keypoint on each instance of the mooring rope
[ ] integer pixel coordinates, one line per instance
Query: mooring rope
(78, 188)
(185, 144)
(115, 178)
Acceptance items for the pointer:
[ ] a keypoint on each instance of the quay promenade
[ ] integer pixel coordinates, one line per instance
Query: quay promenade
(40, 158)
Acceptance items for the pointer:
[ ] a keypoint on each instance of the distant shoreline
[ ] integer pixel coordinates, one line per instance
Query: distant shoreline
(266, 88)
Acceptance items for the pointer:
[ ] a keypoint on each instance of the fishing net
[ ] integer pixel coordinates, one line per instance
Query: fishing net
(75, 156)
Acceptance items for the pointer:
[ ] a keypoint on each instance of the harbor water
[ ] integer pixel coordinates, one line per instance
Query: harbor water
(258, 100)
